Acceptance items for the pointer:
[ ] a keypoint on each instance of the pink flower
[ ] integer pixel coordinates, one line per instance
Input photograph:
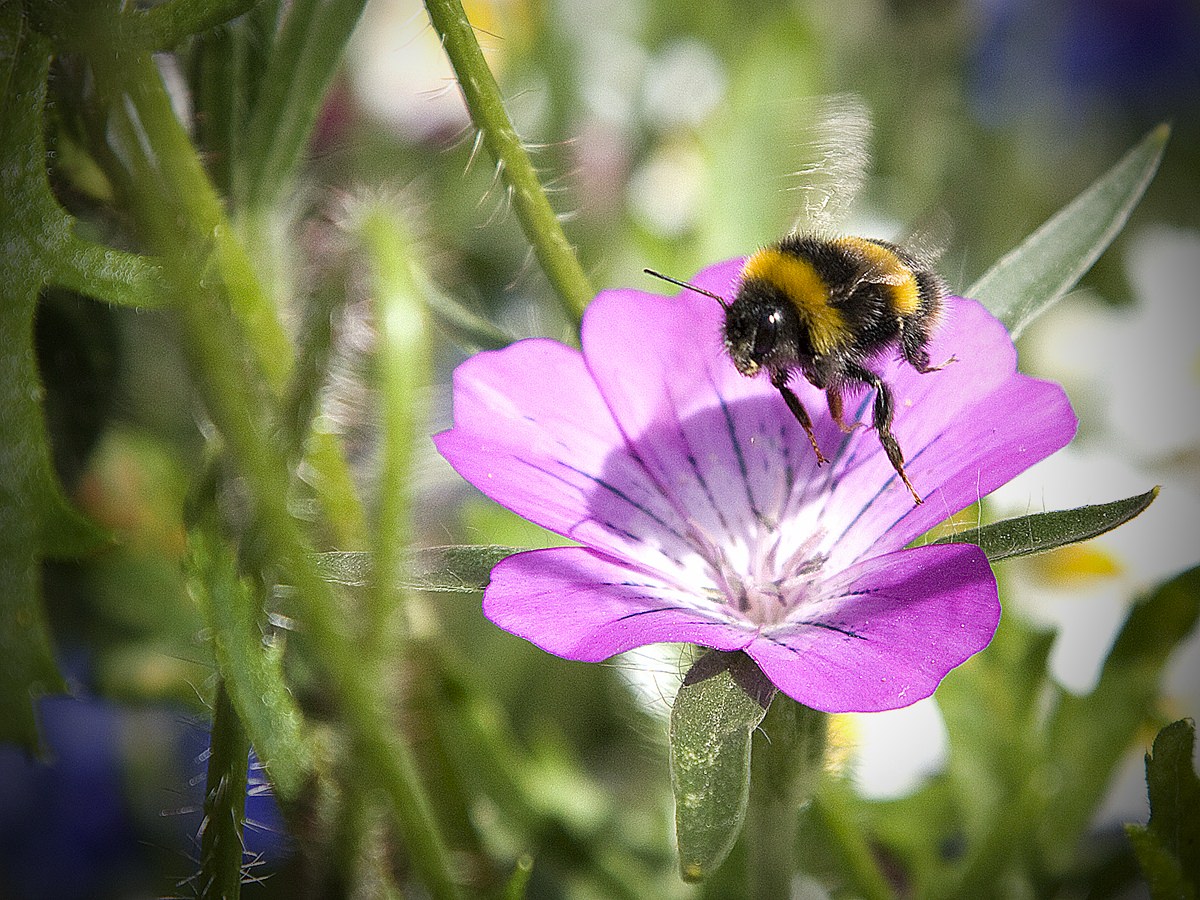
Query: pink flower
(703, 515)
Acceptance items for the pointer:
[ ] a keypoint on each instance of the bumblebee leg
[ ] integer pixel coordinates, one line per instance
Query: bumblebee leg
(779, 379)
(834, 396)
(912, 344)
(926, 369)
(884, 406)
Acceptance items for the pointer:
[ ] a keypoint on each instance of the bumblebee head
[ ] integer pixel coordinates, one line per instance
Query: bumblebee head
(760, 324)
(760, 327)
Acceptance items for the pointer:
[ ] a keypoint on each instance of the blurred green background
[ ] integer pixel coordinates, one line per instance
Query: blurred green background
(670, 134)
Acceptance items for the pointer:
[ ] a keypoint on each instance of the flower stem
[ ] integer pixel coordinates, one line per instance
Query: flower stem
(785, 765)
(829, 811)
(224, 803)
(402, 367)
(482, 94)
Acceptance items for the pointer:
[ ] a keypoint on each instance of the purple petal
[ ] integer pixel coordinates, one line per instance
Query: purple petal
(901, 622)
(964, 430)
(580, 605)
(532, 432)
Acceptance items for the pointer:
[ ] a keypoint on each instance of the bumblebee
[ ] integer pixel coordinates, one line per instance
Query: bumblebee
(828, 308)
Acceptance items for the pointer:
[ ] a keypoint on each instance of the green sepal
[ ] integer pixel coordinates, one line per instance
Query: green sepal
(1168, 849)
(1035, 275)
(722, 700)
(1039, 532)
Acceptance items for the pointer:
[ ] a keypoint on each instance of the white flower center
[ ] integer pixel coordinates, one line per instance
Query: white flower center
(766, 578)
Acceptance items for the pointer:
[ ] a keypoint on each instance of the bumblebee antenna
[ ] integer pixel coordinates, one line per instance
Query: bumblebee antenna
(691, 287)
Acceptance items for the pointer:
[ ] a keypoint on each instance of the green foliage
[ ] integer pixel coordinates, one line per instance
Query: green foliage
(1037, 274)
(254, 684)
(1040, 532)
(1168, 848)
(41, 248)
(1029, 762)
(412, 748)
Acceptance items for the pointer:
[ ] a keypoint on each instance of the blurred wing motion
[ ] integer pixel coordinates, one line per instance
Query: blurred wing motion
(835, 157)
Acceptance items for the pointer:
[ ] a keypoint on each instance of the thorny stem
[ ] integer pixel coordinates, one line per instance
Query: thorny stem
(482, 94)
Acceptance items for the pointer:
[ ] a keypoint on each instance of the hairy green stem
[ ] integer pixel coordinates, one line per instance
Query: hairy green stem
(482, 94)
(861, 870)
(236, 394)
(785, 765)
(402, 369)
(224, 803)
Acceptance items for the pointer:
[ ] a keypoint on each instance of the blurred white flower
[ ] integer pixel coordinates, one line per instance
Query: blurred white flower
(1139, 365)
(400, 72)
(1133, 375)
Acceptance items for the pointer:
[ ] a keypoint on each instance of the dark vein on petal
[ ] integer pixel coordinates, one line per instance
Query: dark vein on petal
(662, 609)
(617, 492)
(795, 651)
(883, 487)
(737, 450)
(712, 500)
(789, 469)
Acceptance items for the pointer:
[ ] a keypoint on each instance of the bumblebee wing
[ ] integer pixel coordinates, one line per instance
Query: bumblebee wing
(927, 240)
(873, 274)
(835, 162)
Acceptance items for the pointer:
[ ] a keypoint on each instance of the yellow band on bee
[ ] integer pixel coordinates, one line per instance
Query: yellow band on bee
(890, 270)
(796, 279)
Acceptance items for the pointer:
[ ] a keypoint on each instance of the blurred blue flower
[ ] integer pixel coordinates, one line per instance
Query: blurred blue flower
(1137, 58)
(118, 784)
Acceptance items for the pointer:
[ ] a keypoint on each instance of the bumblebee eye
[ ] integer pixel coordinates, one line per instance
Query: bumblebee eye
(766, 335)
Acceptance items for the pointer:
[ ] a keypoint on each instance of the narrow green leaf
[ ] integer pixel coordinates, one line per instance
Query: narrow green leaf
(1035, 275)
(251, 667)
(722, 700)
(1169, 849)
(458, 569)
(1039, 532)
(300, 67)
(468, 329)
